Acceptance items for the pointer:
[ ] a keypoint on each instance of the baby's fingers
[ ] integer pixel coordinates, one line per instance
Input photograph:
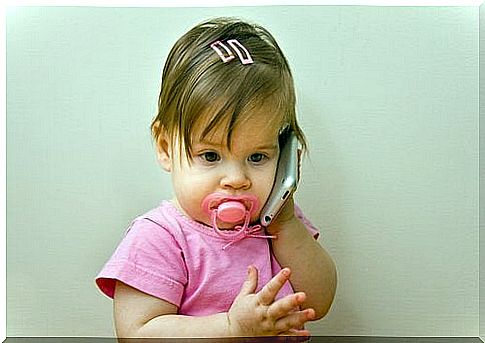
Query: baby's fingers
(267, 295)
(295, 320)
(288, 304)
(249, 286)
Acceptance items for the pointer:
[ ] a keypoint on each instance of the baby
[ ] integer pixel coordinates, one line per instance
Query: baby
(200, 265)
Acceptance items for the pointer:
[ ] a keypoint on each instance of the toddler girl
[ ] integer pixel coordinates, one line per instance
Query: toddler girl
(200, 265)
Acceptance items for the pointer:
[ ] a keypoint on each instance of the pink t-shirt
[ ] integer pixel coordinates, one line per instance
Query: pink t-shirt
(174, 258)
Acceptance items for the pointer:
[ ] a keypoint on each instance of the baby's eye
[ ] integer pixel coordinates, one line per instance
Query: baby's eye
(257, 158)
(210, 156)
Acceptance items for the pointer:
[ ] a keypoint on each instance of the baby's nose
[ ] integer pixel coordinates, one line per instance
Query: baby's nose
(235, 177)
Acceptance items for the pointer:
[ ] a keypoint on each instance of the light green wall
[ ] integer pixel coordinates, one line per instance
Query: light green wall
(388, 98)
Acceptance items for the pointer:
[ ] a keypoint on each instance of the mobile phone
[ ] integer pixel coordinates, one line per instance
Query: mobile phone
(287, 177)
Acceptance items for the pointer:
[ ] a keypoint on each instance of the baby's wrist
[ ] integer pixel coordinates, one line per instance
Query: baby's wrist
(282, 224)
(229, 327)
(286, 215)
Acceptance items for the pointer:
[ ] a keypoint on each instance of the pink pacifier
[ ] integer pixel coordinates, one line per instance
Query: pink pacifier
(233, 209)
(228, 208)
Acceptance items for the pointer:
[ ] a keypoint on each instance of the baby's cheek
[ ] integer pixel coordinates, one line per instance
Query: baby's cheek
(265, 191)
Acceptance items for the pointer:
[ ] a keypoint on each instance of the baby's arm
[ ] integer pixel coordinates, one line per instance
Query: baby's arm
(313, 270)
(138, 314)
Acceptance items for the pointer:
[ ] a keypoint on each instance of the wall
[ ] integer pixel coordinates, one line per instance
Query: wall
(482, 175)
(388, 98)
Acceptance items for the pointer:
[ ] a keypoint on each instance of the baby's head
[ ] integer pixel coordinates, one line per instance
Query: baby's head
(199, 89)
(224, 80)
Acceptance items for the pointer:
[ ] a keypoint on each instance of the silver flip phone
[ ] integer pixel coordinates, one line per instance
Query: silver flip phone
(287, 177)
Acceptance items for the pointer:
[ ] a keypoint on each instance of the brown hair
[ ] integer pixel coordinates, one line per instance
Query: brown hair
(197, 84)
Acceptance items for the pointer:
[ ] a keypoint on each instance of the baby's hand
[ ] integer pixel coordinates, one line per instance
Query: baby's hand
(258, 314)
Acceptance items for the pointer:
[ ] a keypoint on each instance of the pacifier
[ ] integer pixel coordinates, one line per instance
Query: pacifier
(233, 210)
(228, 208)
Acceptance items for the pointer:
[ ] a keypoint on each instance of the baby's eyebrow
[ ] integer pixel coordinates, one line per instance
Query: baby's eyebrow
(214, 144)
(267, 147)
(220, 145)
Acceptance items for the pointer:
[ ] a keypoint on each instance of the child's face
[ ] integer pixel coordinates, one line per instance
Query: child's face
(247, 168)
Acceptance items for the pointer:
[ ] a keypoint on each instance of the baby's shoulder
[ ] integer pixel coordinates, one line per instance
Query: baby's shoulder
(160, 221)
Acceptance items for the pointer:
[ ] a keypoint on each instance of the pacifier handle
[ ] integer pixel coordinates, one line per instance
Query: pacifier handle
(231, 211)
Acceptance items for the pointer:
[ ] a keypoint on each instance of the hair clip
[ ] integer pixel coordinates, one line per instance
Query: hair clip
(228, 55)
(235, 44)
(224, 57)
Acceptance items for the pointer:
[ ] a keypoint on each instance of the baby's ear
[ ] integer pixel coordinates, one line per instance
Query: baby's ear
(164, 148)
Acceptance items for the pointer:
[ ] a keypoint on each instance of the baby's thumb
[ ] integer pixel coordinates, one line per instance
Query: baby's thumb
(249, 286)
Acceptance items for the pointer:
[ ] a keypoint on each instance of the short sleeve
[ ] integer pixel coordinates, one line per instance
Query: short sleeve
(148, 259)
(310, 227)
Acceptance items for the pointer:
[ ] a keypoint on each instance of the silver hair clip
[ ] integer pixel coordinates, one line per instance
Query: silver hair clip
(228, 55)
